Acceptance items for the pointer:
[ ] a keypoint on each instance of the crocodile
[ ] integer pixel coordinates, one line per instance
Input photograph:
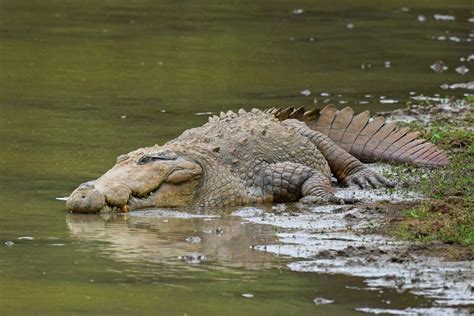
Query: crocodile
(257, 156)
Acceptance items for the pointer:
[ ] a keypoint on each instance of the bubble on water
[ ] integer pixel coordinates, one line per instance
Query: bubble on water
(123, 116)
(387, 64)
(439, 67)
(441, 38)
(363, 102)
(412, 92)
(193, 240)
(203, 113)
(311, 39)
(365, 66)
(305, 92)
(343, 102)
(471, 20)
(248, 295)
(441, 17)
(421, 18)
(298, 11)
(368, 96)
(462, 70)
(388, 101)
(350, 26)
(325, 94)
(25, 238)
(322, 301)
(454, 39)
(470, 57)
(462, 59)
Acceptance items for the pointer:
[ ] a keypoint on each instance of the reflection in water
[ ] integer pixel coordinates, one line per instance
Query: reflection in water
(163, 237)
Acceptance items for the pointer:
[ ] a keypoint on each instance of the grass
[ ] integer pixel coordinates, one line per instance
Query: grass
(448, 213)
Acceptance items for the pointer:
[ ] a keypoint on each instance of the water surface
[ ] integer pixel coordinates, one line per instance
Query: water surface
(84, 81)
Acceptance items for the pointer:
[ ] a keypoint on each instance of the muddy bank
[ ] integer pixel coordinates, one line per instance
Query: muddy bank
(358, 240)
(337, 240)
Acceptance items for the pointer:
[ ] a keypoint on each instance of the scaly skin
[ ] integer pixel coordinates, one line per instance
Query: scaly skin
(235, 159)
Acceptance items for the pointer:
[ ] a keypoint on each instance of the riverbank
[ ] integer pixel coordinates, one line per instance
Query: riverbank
(444, 221)
(416, 237)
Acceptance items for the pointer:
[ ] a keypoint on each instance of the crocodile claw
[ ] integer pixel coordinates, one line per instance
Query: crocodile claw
(366, 178)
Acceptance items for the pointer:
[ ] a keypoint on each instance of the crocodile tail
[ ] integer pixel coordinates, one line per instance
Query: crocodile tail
(368, 139)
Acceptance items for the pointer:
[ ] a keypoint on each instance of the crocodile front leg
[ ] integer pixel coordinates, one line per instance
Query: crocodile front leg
(346, 168)
(290, 182)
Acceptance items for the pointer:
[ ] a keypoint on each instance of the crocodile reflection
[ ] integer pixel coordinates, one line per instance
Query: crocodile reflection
(160, 237)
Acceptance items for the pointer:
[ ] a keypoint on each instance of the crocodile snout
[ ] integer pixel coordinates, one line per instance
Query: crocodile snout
(86, 199)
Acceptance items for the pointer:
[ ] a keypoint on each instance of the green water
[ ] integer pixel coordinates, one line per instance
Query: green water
(84, 81)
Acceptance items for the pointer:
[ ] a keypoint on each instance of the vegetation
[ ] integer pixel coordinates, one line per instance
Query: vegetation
(448, 213)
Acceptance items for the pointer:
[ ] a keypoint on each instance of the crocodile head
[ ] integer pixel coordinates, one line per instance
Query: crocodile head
(147, 177)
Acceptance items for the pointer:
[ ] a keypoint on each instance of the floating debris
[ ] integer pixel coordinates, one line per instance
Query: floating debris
(462, 70)
(219, 230)
(454, 39)
(57, 245)
(163, 111)
(441, 17)
(305, 92)
(404, 9)
(193, 240)
(439, 67)
(123, 116)
(203, 113)
(62, 198)
(25, 238)
(350, 26)
(193, 258)
(387, 64)
(388, 101)
(470, 57)
(322, 301)
(421, 18)
(247, 295)
(325, 94)
(365, 66)
(415, 311)
(9, 243)
(311, 39)
(298, 11)
(441, 38)
(471, 20)
(462, 85)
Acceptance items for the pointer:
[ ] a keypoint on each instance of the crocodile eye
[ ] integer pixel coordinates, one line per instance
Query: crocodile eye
(164, 155)
(144, 160)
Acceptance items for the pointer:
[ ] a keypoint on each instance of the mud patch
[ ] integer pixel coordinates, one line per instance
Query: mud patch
(334, 240)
